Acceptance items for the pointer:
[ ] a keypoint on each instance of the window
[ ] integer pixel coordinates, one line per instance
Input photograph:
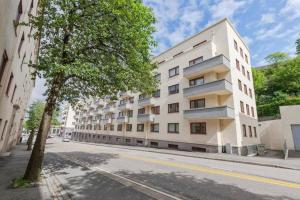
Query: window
(241, 53)
(248, 110)
(173, 127)
(112, 127)
(196, 61)
(154, 128)
(9, 84)
(122, 102)
(141, 111)
(174, 71)
(250, 131)
(13, 94)
(197, 81)
(139, 141)
(155, 110)
(172, 146)
(254, 130)
(244, 130)
(246, 58)
(130, 113)
(237, 64)
(154, 144)
(156, 94)
(131, 100)
(21, 66)
(140, 127)
(243, 70)
(252, 111)
(173, 107)
(248, 75)
(21, 44)
(3, 130)
(200, 43)
(245, 89)
(157, 77)
(250, 92)
(20, 11)
(235, 45)
(121, 114)
(198, 128)
(3, 64)
(128, 127)
(198, 103)
(142, 96)
(119, 128)
(173, 89)
(127, 140)
(240, 85)
(242, 107)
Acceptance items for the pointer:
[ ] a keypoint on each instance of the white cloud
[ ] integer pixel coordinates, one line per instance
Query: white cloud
(265, 33)
(225, 8)
(248, 40)
(291, 10)
(267, 18)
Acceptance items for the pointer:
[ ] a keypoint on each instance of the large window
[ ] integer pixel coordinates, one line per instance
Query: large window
(130, 113)
(119, 127)
(250, 131)
(141, 111)
(173, 127)
(173, 89)
(240, 85)
(128, 127)
(156, 94)
(237, 63)
(197, 81)
(196, 61)
(235, 45)
(244, 130)
(198, 128)
(174, 71)
(198, 103)
(3, 64)
(140, 127)
(173, 107)
(242, 107)
(155, 110)
(154, 128)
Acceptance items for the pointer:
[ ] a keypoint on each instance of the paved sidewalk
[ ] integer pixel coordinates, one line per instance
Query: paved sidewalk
(273, 161)
(14, 166)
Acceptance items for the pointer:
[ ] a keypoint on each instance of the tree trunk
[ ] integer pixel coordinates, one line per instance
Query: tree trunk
(30, 139)
(34, 166)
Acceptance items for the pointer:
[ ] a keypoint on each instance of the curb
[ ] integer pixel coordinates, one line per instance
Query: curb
(191, 156)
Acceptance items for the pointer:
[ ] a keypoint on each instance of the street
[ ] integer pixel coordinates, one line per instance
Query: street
(96, 171)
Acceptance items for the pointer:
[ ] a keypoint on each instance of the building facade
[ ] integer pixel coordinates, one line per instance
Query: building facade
(205, 100)
(17, 48)
(67, 120)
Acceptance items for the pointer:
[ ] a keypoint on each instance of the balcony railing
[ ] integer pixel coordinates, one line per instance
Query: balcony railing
(122, 119)
(108, 120)
(148, 101)
(220, 87)
(145, 118)
(125, 106)
(109, 109)
(218, 64)
(223, 112)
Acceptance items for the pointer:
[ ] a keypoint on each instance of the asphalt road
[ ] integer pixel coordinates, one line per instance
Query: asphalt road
(89, 171)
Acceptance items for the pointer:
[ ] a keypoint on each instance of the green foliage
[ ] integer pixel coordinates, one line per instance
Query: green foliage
(95, 48)
(298, 46)
(35, 114)
(277, 85)
(277, 57)
(19, 183)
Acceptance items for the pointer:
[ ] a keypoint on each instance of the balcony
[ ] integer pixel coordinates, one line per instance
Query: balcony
(99, 103)
(220, 87)
(223, 112)
(109, 109)
(107, 121)
(148, 101)
(125, 106)
(218, 64)
(122, 119)
(145, 118)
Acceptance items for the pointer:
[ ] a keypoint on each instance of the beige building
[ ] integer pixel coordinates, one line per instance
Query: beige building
(67, 120)
(16, 49)
(205, 100)
(275, 133)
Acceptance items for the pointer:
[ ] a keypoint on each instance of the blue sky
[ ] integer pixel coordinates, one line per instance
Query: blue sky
(266, 25)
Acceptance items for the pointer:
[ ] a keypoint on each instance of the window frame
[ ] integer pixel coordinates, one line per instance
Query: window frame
(175, 91)
(140, 125)
(195, 80)
(196, 102)
(176, 71)
(176, 109)
(176, 131)
(198, 123)
(152, 127)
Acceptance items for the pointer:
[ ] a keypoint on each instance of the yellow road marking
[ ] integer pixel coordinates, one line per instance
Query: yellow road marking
(217, 171)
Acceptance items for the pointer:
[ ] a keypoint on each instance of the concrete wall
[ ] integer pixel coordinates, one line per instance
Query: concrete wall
(14, 102)
(274, 133)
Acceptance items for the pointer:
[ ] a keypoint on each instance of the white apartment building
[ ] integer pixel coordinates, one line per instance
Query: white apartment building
(205, 100)
(67, 120)
(17, 48)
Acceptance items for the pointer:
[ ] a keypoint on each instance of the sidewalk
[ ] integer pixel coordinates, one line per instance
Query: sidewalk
(14, 166)
(292, 163)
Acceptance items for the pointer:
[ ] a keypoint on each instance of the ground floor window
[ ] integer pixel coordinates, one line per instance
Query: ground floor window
(198, 128)
(172, 146)
(139, 141)
(140, 127)
(155, 127)
(154, 144)
(119, 127)
(173, 127)
(128, 127)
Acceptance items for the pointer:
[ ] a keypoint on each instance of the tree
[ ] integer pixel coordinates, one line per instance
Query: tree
(298, 46)
(276, 57)
(90, 48)
(259, 80)
(35, 113)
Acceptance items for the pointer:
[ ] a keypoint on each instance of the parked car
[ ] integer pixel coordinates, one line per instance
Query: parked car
(66, 140)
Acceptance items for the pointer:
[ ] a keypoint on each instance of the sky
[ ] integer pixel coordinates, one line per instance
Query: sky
(266, 26)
